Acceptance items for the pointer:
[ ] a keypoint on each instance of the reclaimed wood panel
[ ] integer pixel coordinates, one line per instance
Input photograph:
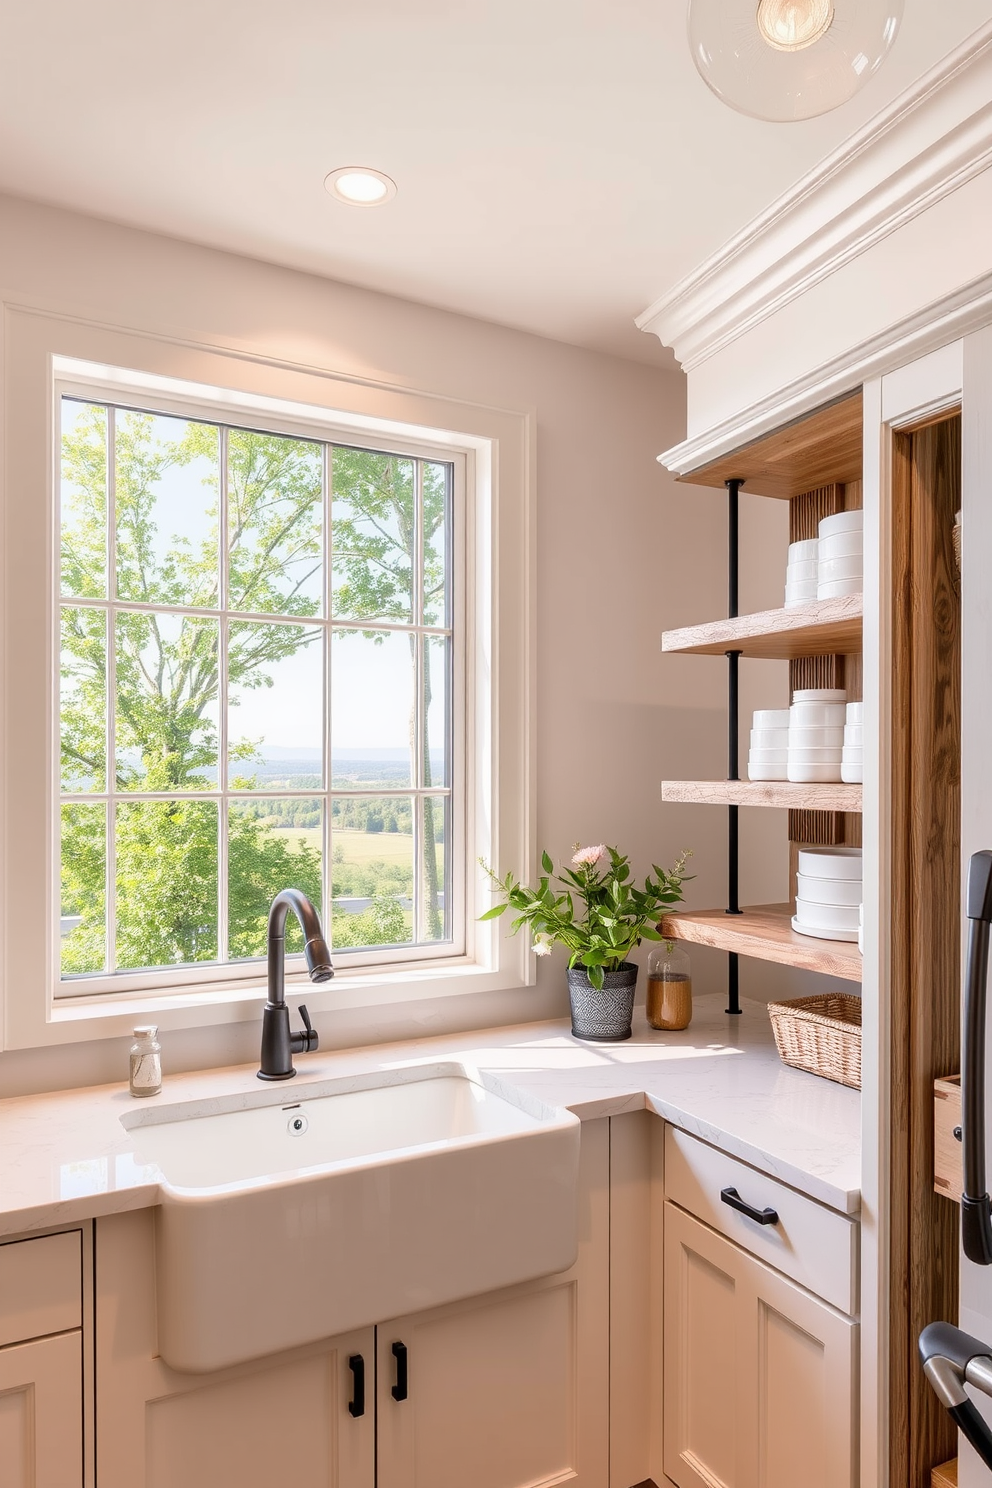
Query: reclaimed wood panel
(925, 970)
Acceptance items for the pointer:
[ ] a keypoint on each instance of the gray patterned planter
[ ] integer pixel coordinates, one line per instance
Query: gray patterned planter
(602, 1017)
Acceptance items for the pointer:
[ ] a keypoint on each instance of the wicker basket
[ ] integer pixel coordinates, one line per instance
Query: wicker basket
(821, 1035)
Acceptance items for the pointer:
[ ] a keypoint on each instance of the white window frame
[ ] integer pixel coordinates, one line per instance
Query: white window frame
(205, 977)
(48, 354)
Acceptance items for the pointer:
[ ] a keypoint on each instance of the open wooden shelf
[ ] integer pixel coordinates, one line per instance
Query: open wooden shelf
(820, 449)
(764, 932)
(783, 793)
(824, 627)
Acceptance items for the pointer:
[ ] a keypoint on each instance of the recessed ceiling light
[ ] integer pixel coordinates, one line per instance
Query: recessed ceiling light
(360, 186)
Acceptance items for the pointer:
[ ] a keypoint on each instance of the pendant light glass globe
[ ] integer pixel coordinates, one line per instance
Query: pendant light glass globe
(790, 59)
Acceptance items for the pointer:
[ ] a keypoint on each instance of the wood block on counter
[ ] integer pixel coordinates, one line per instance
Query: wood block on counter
(945, 1476)
(948, 1175)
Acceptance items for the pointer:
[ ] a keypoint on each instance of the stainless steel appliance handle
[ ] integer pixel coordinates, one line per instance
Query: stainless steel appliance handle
(950, 1361)
(976, 1209)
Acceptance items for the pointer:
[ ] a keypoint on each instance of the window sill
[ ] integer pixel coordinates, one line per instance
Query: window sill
(106, 1017)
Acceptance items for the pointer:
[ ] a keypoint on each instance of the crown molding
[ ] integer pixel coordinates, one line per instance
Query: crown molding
(966, 309)
(932, 139)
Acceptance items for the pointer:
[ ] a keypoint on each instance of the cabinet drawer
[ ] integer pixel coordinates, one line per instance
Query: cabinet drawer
(814, 1245)
(40, 1286)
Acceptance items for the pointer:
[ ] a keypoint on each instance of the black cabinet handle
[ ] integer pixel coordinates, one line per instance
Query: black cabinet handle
(399, 1390)
(356, 1405)
(760, 1216)
(976, 1218)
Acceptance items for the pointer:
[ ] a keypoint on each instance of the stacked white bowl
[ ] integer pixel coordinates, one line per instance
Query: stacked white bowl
(828, 893)
(801, 574)
(816, 734)
(852, 758)
(840, 555)
(769, 755)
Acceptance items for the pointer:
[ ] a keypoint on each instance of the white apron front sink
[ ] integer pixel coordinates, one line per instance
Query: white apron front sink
(293, 1214)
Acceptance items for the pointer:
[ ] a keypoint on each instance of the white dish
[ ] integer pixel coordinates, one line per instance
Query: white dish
(855, 712)
(770, 718)
(817, 715)
(770, 744)
(766, 772)
(819, 695)
(802, 590)
(764, 735)
(805, 570)
(804, 550)
(815, 738)
(829, 890)
(822, 774)
(796, 601)
(845, 935)
(830, 862)
(854, 733)
(852, 772)
(768, 757)
(845, 521)
(829, 570)
(815, 756)
(839, 589)
(827, 916)
(853, 753)
(841, 545)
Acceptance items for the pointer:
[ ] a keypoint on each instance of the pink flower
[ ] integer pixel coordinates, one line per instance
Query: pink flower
(588, 856)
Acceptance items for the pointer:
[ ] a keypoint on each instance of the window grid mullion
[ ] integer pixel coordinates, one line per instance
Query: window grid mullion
(325, 835)
(418, 633)
(110, 768)
(223, 812)
(84, 601)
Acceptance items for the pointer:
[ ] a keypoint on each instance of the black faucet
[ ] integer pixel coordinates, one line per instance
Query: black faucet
(278, 1044)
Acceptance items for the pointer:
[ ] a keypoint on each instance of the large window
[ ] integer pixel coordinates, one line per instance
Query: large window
(258, 688)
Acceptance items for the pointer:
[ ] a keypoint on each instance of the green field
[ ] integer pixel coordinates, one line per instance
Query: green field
(360, 847)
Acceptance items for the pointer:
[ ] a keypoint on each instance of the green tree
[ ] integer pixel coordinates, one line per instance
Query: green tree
(166, 670)
(375, 556)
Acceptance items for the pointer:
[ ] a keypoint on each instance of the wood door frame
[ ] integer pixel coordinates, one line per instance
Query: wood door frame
(924, 1017)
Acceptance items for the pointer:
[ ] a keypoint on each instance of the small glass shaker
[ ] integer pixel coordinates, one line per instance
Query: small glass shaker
(146, 1061)
(669, 1002)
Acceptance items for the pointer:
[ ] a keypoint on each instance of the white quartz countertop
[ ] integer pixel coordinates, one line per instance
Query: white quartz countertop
(65, 1156)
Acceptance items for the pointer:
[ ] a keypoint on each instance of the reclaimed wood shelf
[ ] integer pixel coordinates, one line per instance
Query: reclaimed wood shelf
(788, 794)
(819, 449)
(823, 627)
(765, 933)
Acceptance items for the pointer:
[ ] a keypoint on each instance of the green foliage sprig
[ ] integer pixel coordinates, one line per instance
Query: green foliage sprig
(598, 914)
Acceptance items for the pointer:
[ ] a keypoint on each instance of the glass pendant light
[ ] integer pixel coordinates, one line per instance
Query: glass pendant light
(790, 59)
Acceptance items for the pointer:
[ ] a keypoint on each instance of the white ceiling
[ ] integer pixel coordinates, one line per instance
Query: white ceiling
(559, 162)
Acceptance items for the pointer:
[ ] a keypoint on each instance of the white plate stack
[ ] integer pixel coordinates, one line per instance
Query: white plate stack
(840, 555)
(829, 893)
(816, 735)
(801, 574)
(769, 755)
(852, 759)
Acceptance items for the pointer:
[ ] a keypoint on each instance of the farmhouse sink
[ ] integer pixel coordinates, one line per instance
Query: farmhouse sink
(286, 1221)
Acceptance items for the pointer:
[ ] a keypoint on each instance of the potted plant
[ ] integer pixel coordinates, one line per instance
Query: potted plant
(600, 917)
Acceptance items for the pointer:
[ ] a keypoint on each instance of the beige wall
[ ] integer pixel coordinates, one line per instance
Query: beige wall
(622, 552)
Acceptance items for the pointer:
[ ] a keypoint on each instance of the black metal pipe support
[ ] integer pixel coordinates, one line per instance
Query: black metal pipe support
(733, 737)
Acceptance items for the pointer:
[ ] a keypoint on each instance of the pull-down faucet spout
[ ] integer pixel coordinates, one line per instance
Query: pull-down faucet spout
(278, 1043)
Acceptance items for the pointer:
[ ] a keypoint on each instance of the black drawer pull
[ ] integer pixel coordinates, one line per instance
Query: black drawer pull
(356, 1405)
(760, 1216)
(399, 1390)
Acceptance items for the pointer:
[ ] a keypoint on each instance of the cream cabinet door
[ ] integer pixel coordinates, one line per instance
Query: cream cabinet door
(759, 1375)
(41, 1413)
(288, 1418)
(508, 1390)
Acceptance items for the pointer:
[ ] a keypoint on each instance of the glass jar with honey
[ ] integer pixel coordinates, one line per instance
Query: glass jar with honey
(669, 1004)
